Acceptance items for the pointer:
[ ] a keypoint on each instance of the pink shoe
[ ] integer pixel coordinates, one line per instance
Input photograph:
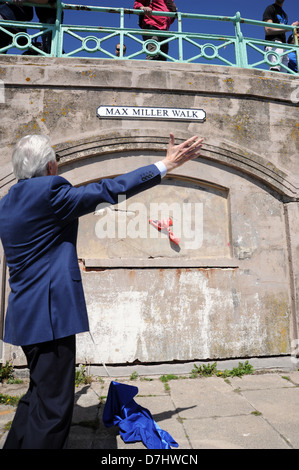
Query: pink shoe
(173, 238)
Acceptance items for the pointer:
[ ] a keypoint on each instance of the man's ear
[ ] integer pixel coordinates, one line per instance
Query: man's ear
(48, 168)
(51, 168)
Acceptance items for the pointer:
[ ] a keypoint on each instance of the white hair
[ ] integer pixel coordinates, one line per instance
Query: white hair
(31, 156)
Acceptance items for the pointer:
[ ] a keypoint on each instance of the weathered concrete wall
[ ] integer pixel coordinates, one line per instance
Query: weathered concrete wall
(231, 288)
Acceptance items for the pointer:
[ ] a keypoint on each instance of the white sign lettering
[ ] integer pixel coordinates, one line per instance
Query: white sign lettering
(145, 112)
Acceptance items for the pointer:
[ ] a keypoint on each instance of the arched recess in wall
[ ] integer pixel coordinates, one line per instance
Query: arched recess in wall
(196, 197)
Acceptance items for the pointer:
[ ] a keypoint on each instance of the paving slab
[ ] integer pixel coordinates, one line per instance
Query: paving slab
(233, 432)
(207, 397)
(262, 381)
(280, 408)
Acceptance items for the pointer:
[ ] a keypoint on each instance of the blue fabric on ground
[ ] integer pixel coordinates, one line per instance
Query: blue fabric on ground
(135, 422)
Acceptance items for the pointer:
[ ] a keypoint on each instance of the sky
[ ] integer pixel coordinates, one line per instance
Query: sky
(250, 9)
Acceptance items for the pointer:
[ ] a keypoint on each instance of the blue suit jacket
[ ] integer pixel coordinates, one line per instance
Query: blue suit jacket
(38, 230)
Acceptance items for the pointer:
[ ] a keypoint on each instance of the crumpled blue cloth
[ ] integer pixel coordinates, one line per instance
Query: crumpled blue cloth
(135, 422)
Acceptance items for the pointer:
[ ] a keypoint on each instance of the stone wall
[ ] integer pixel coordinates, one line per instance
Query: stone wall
(230, 289)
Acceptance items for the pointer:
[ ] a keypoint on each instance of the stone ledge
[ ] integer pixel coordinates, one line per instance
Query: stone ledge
(146, 76)
(90, 264)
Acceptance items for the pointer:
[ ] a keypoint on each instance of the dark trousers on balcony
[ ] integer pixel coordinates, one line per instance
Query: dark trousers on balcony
(44, 414)
(152, 47)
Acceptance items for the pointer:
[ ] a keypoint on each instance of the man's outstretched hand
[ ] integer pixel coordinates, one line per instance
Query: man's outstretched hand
(177, 155)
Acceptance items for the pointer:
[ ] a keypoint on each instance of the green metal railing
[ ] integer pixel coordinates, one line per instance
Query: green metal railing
(68, 40)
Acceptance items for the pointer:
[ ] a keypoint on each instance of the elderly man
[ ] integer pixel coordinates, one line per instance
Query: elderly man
(155, 23)
(46, 305)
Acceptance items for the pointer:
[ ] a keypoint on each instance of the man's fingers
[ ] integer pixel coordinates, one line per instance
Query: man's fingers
(196, 140)
(171, 139)
(190, 141)
(188, 149)
(179, 154)
(194, 146)
(193, 151)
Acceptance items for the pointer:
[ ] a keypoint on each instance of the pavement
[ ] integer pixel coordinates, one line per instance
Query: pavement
(257, 411)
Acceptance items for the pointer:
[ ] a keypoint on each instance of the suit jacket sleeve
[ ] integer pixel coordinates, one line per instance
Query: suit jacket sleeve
(69, 202)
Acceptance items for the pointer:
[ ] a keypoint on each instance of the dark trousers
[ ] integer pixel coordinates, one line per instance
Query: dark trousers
(6, 39)
(44, 414)
(152, 47)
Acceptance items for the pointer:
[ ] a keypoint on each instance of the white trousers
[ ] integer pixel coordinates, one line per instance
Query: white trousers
(272, 58)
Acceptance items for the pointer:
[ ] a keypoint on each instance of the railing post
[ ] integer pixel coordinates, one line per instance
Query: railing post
(122, 25)
(241, 52)
(296, 42)
(181, 52)
(56, 45)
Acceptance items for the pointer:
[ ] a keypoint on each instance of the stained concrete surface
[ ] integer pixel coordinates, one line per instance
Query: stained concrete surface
(231, 288)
